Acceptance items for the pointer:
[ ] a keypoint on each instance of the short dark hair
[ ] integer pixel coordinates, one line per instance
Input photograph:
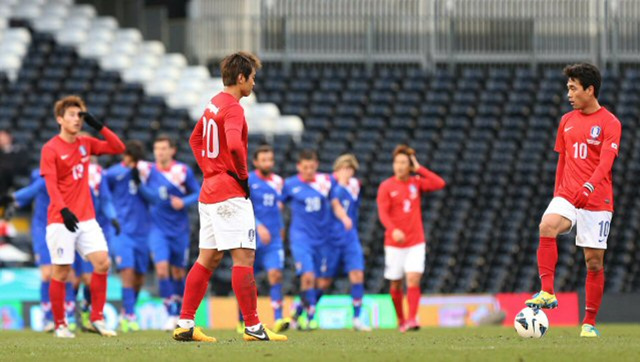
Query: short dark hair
(165, 138)
(238, 63)
(587, 74)
(262, 149)
(134, 149)
(308, 155)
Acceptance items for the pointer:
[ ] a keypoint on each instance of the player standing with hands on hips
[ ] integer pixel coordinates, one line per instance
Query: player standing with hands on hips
(587, 142)
(219, 143)
(400, 211)
(71, 223)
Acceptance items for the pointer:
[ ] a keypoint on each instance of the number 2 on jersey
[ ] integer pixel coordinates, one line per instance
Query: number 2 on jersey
(211, 138)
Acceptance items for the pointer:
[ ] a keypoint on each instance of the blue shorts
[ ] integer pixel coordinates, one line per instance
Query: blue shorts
(175, 250)
(269, 257)
(82, 266)
(347, 255)
(309, 259)
(131, 252)
(39, 244)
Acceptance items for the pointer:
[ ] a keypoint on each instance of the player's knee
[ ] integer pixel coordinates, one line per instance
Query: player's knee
(594, 264)
(275, 277)
(102, 265)
(395, 285)
(547, 229)
(162, 270)
(356, 276)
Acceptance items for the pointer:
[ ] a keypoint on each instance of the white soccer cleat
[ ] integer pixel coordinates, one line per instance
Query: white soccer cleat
(63, 332)
(101, 328)
(171, 323)
(359, 326)
(49, 326)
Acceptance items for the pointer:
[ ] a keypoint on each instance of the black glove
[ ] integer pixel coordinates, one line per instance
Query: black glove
(116, 225)
(91, 120)
(6, 200)
(243, 183)
(135, 175)
(70, 220)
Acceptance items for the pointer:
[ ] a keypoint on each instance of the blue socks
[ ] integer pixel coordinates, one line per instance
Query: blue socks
(178, 291)
(309, 301)
(165, 287)
(276, 300)
(357, 293)
(129, 301)
(70, 300)
(45, 301)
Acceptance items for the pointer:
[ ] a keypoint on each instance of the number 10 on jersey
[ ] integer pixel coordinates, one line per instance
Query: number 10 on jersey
(211, 138)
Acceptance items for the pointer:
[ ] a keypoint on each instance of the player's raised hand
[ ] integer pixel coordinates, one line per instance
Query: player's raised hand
(91, 120)
(265, 235)
(116, 225)
(70, 219)
(398, 236)
(581, 196)
(414, 163)
(346, 221)
(177, 203)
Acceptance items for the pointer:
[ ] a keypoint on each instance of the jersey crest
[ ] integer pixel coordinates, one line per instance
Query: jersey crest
(322, 184)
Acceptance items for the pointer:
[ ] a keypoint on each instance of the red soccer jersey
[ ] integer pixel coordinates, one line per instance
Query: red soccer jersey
(399, 206)
(211, 142)
(65, 168)
(582, 139)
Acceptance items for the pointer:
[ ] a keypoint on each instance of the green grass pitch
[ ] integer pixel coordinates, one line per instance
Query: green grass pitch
(618, 343)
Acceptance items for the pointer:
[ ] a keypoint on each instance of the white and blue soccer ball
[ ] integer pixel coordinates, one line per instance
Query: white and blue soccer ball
(531, 323)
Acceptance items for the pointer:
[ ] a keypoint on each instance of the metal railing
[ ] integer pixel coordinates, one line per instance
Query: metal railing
(428, 32)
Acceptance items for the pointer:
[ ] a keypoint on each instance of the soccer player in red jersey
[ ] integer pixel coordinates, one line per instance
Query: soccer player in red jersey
(400, 211)
(219, 143)
(587, 142)
(71, 223)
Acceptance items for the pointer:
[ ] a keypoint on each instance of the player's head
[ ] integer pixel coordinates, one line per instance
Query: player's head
(134, 152)
(164, 149)
(5, 139)
(402, 166)
(583, 84)
(67, 111)
(345, 166)
(263, 159)
(307, 164)
(239, 70)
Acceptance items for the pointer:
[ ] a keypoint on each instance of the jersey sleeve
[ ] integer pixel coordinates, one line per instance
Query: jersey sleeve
(384, 205)
(25, 195)
(106, 199)
(195, 141)
(559, 147)
(49, 172)
(149, 193)
(612, 133)
(285, 196)
(429, 180)
(193, 188)
(111, 145)
(233, 125)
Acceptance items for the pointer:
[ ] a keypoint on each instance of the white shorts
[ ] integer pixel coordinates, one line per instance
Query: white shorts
(399, 261)
(63, 243)
(592, 226)
(227, 225)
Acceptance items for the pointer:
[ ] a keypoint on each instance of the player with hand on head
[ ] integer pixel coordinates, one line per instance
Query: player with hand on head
(130, 248)
(266, 191)
(171, 189)
(71, 223)
(227, 222)
(588, 140)
(400, 211)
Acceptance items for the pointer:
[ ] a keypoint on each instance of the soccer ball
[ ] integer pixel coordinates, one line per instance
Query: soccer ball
(531, 323)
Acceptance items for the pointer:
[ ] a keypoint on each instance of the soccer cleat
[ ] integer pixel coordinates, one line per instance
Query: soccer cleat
(589, 331)
(63, 332)
(302, 323)
(193, 334)
(412, 326)
(313, 325)
(48, 326)
(543, 300)
(240, 327)
(85, 320)
(282, 325)
(359, 326)
(263, 334)
(101, 328)
(129, 325)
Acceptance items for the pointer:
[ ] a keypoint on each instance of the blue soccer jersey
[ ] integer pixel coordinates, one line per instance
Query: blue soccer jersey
(265, 197)
(310, 209)
(36, 192)
(102, 199)
(349, 198)
(131, 207)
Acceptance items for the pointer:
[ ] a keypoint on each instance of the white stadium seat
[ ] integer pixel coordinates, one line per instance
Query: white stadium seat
(94, 49)
(150, 61)
(104, 22)
(182, 99)
(131, 35)
(13, 47)
(160, 87)
(154, 47)
(82, 11)
(68, 36)
(60, 2)
(138, 74)
(291, 125)
(100, 34)
(54, 10)
(8, 2)
(196, 72)
(78, 24)
(115, 62)
(26, 11)
(10, 64)
(168, 72)
(48, 24)
(175, 59)
(124, 47)
(18, 34)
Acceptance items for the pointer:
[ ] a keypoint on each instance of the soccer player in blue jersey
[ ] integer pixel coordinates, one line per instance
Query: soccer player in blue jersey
(344, 249)
(108, 221)
(131, 246)
(307, 194)
(170, 189)
(266, 191)
(36, 192)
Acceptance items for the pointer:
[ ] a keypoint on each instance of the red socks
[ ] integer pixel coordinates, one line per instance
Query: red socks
(547, 259)
(57, 296)
(594, 287)
(98, 295)
(195, 288)
(396, 297)
(413, 296)
(244, 285)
